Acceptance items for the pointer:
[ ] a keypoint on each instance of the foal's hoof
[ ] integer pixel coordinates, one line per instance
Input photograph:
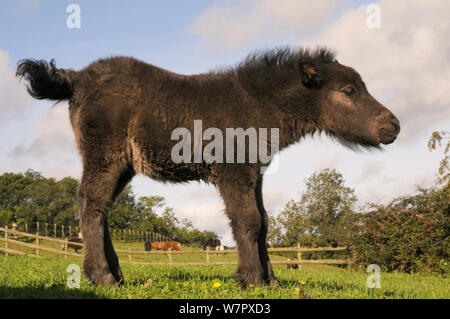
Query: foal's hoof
(248, 278)
(103, 279)
(118, 276)
(274, 283)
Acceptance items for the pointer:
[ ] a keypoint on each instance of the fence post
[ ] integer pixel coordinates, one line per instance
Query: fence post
(6, 240)
(299, 255)
(207, 254)
(26, 227)
(130, 258)
(46, 229)
(66, 248)
(70, 231)
(54, 230)
(37, 238)
(170, 256)
(62, 232)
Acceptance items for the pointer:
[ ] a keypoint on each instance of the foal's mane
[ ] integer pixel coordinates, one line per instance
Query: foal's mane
(272, 60)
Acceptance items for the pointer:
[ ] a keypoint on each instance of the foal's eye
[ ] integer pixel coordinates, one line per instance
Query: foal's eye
(350, 90)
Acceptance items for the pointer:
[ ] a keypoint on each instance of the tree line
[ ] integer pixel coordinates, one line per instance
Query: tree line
(30, 197)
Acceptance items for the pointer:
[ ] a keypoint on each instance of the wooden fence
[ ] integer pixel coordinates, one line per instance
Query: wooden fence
(63, 231)
(11, 237)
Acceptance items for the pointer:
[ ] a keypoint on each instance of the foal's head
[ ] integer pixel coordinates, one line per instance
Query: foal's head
(347, 111)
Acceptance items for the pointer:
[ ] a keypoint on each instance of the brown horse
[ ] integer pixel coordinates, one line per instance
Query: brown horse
(292, 266)
(159, 245)
(74, 246)
(165, 245)
(124, 113)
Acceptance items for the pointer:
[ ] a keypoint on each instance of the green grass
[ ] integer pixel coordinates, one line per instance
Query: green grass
(22, 277)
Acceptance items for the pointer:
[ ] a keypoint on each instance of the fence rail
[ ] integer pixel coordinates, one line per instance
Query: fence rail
(62, 231)
(37, 247)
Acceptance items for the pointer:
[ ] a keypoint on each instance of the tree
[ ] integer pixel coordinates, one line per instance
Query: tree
(124, 213)
(323, 216)
(409, 234)
(443, 177)
(30, 197)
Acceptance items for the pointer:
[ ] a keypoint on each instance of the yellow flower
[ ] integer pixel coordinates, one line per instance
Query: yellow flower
(302, 282)
(217, 284)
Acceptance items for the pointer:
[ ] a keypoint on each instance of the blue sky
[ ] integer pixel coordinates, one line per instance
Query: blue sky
(153, 31)
(404, 63)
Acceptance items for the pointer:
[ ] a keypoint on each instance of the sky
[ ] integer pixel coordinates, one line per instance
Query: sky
(405, 64)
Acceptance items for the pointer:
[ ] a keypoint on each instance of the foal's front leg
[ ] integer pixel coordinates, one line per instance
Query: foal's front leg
(246, 224)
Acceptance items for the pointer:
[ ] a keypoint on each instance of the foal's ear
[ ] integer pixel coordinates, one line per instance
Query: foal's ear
(310, 75)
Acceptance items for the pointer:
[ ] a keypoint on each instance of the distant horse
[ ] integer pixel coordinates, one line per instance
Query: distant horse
(221, 248)
(147, 246)
(165, 245)
(74, 240)
(211, 243)
(157, 245)
(292, 266)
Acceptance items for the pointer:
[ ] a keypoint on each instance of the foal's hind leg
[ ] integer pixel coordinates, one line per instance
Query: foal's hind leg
(111, 256)
(95, 196)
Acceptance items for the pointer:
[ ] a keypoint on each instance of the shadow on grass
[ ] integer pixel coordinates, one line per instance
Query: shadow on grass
(54, 292)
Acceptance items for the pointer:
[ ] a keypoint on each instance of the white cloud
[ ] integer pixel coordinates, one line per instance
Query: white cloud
(208, 216)
(405, 63)
(274, 197)
(13, 96)
(48, 147)
(236, 24)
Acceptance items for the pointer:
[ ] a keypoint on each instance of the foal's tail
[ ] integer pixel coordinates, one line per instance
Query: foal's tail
(45, 81)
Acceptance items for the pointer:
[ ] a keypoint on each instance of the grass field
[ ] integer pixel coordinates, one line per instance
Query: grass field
(22, 277)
